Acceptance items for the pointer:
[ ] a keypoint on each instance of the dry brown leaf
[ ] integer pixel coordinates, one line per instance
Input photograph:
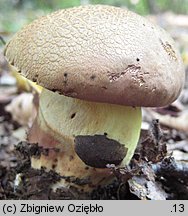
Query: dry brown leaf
(180, 145)
(22, 109)
(144, 189)
(180, 156)
(178, 123)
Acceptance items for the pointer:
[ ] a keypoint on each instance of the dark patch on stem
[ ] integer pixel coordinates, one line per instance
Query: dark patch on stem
(98, 150)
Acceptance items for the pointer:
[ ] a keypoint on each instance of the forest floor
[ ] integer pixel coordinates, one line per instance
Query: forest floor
(158, 170)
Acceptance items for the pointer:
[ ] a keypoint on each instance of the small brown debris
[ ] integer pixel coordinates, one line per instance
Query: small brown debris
(152, 147)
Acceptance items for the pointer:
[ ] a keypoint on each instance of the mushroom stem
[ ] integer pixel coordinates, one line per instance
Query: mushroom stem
(87, 135)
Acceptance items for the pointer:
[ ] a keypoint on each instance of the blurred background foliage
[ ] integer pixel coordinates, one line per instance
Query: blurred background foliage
(15, 13)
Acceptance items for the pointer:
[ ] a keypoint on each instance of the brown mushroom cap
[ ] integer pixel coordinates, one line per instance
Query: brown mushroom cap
(100, 53)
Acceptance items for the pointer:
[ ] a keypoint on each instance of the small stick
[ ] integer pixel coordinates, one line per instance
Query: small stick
(2, 40)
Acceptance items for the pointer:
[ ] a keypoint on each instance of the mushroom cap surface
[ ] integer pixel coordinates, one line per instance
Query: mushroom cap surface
(99, 53)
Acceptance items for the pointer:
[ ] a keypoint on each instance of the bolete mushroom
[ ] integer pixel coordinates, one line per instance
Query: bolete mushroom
(106, 63)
